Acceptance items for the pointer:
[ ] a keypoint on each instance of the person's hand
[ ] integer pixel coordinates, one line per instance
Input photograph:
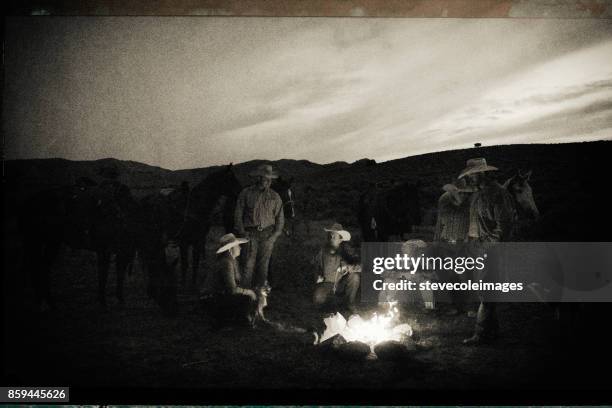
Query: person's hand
(273, 238)
(320, 279)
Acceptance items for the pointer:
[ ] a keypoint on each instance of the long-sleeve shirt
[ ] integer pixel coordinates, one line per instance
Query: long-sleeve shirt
(258, 208)
(453, 219)
(225, 278)
(491, 214)
(333, 263)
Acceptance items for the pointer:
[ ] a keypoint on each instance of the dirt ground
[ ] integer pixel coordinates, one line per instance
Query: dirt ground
(80, 344)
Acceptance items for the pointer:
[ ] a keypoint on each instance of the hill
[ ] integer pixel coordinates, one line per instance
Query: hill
(561, 173)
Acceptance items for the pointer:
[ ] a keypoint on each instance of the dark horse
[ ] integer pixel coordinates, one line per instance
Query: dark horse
(186, 216)
(83, 216)
(386, 212)
(283, 188)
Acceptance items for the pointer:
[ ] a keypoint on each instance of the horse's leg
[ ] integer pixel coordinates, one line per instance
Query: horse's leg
(103, 255)
(32, 253)
(130, 261)
(149, 273)
(52, 250)
(35, 267)
(121, 265)
(197, 247)
(184, 248)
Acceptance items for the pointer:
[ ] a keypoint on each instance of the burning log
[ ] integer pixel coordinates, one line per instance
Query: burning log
(392, 351)
(333, 342)
(354, 350)
(359, 337)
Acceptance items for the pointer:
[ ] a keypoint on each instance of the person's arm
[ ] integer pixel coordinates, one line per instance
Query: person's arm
(352, 261)
(502, 211)
(229, 281)
(438, 231)
(317, 264)
(239, 212)
(279, 223)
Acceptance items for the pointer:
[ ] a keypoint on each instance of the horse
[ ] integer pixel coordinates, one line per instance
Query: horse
(386, 212)
(81, 216)
(218, 191)
(574, 319)
(113, 231)
(283, 188)
(186, 216)
(525, 210)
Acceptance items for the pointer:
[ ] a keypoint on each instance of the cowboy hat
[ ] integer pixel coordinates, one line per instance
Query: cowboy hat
(265, 170)
(477, 165)
(413, 247)
(228, 241)
(337, 228)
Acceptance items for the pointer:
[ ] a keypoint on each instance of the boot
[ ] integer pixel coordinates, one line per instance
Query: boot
(478, 340)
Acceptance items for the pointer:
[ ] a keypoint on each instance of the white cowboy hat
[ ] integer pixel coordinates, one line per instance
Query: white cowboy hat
(413, 246)
(229, 241)
(264, 170)
(337, 228)
(477, 165)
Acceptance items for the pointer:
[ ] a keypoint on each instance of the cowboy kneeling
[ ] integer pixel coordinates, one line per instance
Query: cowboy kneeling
(337, 271)
(223, 295)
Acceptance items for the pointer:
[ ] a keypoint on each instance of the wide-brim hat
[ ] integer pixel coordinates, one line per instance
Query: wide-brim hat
(413, 247)
(265, 170)
(337, 228)
(228, 241)
(477, 165)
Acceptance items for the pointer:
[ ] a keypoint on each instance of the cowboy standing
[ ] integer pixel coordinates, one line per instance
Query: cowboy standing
(337, 270)
(259, 216)
(452, 230)
(490, 222)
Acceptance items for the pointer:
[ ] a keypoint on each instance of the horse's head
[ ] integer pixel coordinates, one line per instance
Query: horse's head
(231, 186)
(522, 194)
(284, 190)
(218, 190)
(222, 182)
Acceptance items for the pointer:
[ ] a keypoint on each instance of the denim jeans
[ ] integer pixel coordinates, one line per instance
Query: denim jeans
(486, 318)
(257, 258)
(347, 290)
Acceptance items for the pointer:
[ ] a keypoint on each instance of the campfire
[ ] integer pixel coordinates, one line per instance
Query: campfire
(379, 330)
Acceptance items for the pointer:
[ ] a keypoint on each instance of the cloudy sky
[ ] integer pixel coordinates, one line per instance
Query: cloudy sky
(184, 92)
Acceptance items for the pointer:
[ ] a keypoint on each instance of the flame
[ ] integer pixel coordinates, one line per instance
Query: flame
(377, 329)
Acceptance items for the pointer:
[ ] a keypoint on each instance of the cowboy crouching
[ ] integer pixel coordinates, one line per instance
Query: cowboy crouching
(227, 301)
(337, 271)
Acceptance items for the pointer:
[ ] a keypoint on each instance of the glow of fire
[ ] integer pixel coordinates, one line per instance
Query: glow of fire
(377, 329)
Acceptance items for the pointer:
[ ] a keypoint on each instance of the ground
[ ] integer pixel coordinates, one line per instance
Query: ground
(80, 344)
